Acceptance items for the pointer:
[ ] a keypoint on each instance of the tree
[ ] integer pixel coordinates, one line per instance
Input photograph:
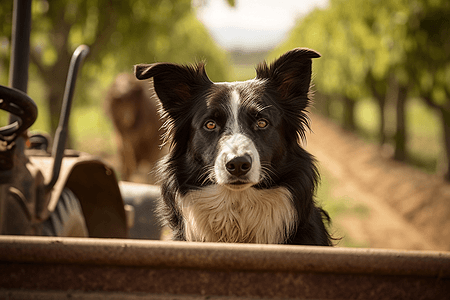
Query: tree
(429, 60)
(340, 73)
(391, 50)
(119, 33)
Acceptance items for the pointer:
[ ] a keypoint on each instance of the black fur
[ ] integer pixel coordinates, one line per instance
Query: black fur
(279, 93)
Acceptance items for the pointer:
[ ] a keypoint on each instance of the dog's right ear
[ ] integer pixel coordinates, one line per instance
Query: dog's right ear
(175, 85)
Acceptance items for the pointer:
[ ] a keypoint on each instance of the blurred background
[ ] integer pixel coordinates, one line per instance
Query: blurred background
(381, 118)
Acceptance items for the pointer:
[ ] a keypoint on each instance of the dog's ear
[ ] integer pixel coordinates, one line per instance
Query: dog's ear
(174, 84)
(290, 74)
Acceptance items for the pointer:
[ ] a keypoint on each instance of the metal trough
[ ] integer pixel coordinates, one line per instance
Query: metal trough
(81, 268)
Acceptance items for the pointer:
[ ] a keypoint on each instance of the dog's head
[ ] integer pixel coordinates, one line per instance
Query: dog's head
(236, 134)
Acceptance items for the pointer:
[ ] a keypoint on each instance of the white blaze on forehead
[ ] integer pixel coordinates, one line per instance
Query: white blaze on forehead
(234, 144)
(235, 102)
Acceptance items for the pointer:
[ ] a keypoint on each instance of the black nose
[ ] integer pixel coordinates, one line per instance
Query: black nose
(240, 165)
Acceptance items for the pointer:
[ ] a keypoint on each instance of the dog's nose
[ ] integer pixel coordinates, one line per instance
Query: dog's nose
(240, 165)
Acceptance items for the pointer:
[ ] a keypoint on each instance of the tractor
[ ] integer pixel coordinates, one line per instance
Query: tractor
(59, 192)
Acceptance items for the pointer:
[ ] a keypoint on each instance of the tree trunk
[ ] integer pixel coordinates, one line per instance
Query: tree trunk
(380, 98)
(54, 101)
(400, 133)
(55, 76)
(349, 114)
(445, 114)
(328, 101)
(382, 128)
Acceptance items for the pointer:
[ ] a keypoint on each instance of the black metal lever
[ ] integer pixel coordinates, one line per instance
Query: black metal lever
(61, 132)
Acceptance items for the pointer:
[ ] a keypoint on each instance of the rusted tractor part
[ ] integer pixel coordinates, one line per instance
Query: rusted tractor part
(58, 268)
(25, 110)
(85, 200)
(65, 194)
(94, 185)
(141, 199)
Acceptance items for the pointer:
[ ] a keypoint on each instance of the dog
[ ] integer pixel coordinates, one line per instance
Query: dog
(236, 171)
(136, 123)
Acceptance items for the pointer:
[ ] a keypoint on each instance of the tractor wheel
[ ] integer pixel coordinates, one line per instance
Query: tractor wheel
(67, 219)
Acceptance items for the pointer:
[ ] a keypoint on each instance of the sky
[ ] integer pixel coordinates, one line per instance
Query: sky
(253, 24)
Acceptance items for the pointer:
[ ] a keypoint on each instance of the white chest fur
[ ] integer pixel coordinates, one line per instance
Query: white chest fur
(217, 214)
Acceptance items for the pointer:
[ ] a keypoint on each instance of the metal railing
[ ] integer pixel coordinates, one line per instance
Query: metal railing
(127, 267)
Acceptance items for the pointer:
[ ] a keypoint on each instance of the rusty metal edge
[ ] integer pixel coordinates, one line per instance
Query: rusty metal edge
(214, 256)
(75, 158)
(74, 295)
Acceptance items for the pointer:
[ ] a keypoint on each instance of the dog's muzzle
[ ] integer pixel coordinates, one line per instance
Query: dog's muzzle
(237, 163)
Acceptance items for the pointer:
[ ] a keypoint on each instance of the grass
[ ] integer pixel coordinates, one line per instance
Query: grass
(339, 207)
(424, 142)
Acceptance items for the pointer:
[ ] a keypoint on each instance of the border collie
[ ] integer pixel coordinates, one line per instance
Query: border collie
(236, 171)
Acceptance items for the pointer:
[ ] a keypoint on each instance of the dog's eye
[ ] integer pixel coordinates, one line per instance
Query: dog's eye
(210, 125)
(262, 123)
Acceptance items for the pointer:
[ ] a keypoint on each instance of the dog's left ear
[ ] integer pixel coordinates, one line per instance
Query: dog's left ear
(290, 74)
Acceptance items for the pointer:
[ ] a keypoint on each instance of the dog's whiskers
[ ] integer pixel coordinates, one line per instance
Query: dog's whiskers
(206, 175)
(267, 174)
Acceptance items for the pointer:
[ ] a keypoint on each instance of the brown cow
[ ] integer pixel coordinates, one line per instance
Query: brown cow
(133, 110)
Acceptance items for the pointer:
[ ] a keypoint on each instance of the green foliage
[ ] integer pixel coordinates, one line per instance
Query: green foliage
(357, 39)
(370, 48)
(120, 34)
(429, 57)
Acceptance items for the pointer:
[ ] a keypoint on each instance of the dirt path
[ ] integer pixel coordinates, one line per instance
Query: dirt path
(407, 209)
